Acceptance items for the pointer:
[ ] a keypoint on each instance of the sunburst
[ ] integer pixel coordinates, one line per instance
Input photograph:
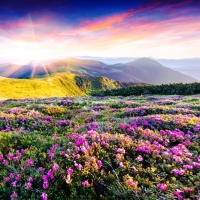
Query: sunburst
(33, 49)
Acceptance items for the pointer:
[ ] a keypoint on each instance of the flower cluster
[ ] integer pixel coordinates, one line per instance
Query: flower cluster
(100, 148)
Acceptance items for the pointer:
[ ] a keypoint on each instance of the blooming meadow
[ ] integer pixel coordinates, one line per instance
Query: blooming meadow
(136, 147)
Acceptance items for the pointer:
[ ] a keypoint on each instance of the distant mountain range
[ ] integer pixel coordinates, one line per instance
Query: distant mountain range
(143, 70)
(188, 66)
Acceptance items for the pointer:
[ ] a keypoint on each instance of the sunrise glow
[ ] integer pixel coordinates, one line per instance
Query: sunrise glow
(157, 30)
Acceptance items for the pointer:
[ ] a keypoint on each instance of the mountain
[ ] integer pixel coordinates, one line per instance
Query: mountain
(147, 70)
(109, 60)
(143, 70)
(56, 85)
(189, 66)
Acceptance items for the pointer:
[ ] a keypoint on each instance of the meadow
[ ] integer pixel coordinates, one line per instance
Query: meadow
(136, 147)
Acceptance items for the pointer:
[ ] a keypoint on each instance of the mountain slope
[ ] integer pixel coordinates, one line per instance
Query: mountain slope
(56, 85)
(143, 70)
(149, 71)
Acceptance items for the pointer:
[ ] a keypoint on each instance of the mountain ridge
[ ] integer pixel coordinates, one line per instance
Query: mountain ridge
(142, 70)
(56, 85)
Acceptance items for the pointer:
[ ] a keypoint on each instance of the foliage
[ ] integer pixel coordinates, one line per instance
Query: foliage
(136, 147)
(166, 89)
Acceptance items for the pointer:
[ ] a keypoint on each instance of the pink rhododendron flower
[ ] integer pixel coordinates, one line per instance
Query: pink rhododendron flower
(134, 169)
(188, 167)
(13, 195)
(177, 193)
(68, 179)
(55, 167)
(28, 185)
(40, 169)
(195, 164)
(51, 155)
(18, 177)
(70, 171)
(99, 163)
(1, 157)
(15, 159)
(44, 196)
(131, 183)
(85, 183)
(122, 151)
(198, 158)
(30, 179)
(178, 172)
(45, 184)
(50, 174)
(7, 179)
(139, 158)
(121, 165)
(11, 175)
(188, 189)
(10, 155)
(30, 162)
(5, 162)
(78, 166)
(162, 186)
(14, 183)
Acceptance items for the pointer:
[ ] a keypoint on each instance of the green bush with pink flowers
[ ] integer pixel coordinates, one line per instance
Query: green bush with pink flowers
(100, 148)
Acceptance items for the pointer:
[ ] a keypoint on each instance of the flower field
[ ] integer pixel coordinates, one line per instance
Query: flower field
(136, 147)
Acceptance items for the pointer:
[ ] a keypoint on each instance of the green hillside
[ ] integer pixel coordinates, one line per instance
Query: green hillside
(56, 85)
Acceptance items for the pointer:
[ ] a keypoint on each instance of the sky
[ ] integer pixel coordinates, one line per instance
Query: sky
(56, 29)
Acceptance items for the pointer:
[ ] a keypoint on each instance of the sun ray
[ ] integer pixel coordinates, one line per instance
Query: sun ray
(11, 70)
(45, 68)
(33, 70)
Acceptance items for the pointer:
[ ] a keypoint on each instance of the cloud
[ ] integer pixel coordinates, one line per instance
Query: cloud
(156, 25)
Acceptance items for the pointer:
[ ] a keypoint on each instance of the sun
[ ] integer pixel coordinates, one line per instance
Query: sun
(25, 52)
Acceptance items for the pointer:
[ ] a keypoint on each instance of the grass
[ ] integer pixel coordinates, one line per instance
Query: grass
(57, 85)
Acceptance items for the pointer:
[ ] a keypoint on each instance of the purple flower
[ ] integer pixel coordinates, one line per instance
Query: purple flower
(50, 174)
(30, 162)
(14, 183)
(139, 158)
(7, 179)
(70, 171)
(28, 185)
(51, 155)
(195, 164)
(78, 166)
(13, 195)
(122, 151)
(55, 167)
(99, 163)
(187, 166)
(40, 169)
(162, 186)
(1, 157)
(30, 179)
(44, 196)
(18, 177)
(10, 155)
(178, 172)
(11, 175)
(85, 183)
(45, 185)
(15, 159)
(5, 162)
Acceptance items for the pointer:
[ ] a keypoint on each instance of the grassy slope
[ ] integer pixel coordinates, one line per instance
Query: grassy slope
(58, 85)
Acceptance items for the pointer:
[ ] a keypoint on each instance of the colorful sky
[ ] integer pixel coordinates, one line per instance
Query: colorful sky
(55, 29)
